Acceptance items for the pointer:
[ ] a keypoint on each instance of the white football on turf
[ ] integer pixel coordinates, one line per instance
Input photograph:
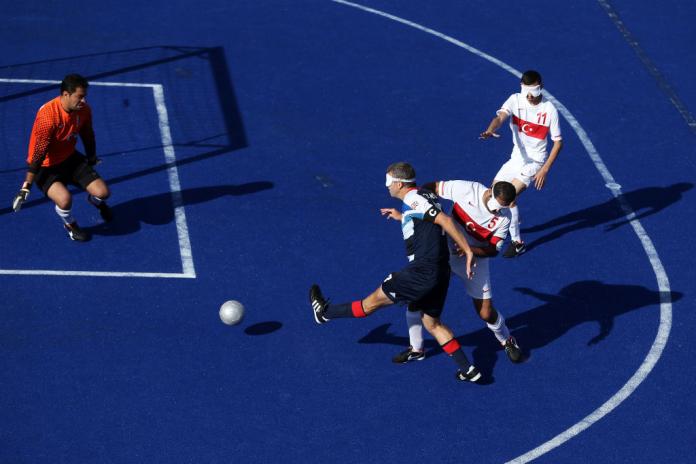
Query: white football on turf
(231, 312)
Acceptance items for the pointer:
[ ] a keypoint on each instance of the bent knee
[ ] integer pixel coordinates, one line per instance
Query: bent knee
(63, 201)
(485, 310)
(99, 190)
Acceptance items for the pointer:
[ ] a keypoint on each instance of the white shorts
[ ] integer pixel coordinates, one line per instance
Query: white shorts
(517, 168)
(479, 286)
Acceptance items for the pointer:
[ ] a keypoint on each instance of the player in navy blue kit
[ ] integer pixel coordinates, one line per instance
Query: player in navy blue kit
(424, 282)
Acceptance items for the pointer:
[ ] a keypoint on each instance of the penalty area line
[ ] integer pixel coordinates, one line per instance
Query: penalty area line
(48, 272)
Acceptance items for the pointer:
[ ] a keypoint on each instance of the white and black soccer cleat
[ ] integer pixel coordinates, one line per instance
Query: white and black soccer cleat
(408, 355)
(319, 304)
(471, 375)
(512, 350)
(515, 249)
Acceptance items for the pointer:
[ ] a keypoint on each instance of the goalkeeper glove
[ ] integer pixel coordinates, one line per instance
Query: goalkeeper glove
(21, 197)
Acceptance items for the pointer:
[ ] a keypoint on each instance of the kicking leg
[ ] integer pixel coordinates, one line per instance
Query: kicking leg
(323, 311)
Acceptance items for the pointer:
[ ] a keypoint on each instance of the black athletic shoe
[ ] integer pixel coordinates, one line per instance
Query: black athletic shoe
(408, 355)
(515, 249)
(319, 304)
(471, 375)
(104, 210)
(77, 234)
(512, 350)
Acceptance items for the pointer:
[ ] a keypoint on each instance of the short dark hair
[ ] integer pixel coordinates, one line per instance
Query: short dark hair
(402, 170)
(530, 77)
(71, 82)
(504, 191)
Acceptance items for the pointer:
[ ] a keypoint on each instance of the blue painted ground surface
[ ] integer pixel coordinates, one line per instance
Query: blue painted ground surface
(284, 116)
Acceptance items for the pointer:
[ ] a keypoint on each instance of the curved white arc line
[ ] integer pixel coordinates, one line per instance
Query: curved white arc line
(663, 282)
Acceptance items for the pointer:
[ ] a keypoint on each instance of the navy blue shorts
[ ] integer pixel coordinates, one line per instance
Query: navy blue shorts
(422, 286)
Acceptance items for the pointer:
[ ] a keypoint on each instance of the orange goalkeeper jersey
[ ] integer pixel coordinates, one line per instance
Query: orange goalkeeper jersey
(55, 131)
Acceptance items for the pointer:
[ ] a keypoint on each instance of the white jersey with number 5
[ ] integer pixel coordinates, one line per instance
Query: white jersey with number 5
(481, 226)
(530, 124)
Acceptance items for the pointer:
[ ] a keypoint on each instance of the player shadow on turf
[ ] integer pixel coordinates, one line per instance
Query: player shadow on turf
(159, 209)
(578, 303)
(644, 202)
(40, 199)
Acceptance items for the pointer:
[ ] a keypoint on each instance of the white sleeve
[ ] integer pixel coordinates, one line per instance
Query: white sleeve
(509, 106)
(554, 126)
(450, 190)
(444, 189)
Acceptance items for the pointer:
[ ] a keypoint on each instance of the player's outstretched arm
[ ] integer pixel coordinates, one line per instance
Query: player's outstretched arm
(391, 213)
(463, 248)
(495, 123)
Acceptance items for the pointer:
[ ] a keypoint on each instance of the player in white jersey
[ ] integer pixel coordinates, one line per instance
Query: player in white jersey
(532, 119)
(476, 209)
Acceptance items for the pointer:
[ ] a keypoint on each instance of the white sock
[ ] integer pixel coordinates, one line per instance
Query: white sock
(96, 201)
(65, 215)
(499, 329)
(415, 329)
(515, 224)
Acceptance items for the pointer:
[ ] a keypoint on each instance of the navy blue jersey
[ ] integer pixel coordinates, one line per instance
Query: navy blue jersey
(425, 240)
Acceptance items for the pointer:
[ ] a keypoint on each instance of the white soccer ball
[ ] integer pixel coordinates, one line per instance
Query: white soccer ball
(231, 312)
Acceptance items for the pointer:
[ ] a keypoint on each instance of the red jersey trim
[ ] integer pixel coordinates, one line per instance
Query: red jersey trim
(530, 129)
(470, 226)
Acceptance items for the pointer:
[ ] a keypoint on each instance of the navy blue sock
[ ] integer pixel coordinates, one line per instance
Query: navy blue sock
(453, 349)
(353, 309)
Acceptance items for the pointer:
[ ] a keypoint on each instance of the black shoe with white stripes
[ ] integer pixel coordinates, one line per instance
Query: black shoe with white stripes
(408, 355)
(77, 234)
(319, 304)
(512, 350)
(471, 375)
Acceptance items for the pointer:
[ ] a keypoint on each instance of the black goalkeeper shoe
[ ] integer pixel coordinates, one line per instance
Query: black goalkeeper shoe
(319, 304)
(77, 234)
(408, 355)
(104, 211)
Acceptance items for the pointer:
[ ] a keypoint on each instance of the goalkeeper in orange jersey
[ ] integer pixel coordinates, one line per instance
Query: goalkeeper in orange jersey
(54, 162)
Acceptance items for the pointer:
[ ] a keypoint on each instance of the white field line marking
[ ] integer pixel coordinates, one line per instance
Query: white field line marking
(655, 73)
(188, 270)
(174, 185)
(159, 275)
(662, 281)
(47, 81)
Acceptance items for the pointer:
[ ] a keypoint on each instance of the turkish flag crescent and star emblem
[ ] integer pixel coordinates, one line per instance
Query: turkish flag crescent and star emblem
(529, 128)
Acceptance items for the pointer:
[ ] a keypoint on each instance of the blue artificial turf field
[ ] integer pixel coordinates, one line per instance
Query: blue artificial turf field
(283, 117)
